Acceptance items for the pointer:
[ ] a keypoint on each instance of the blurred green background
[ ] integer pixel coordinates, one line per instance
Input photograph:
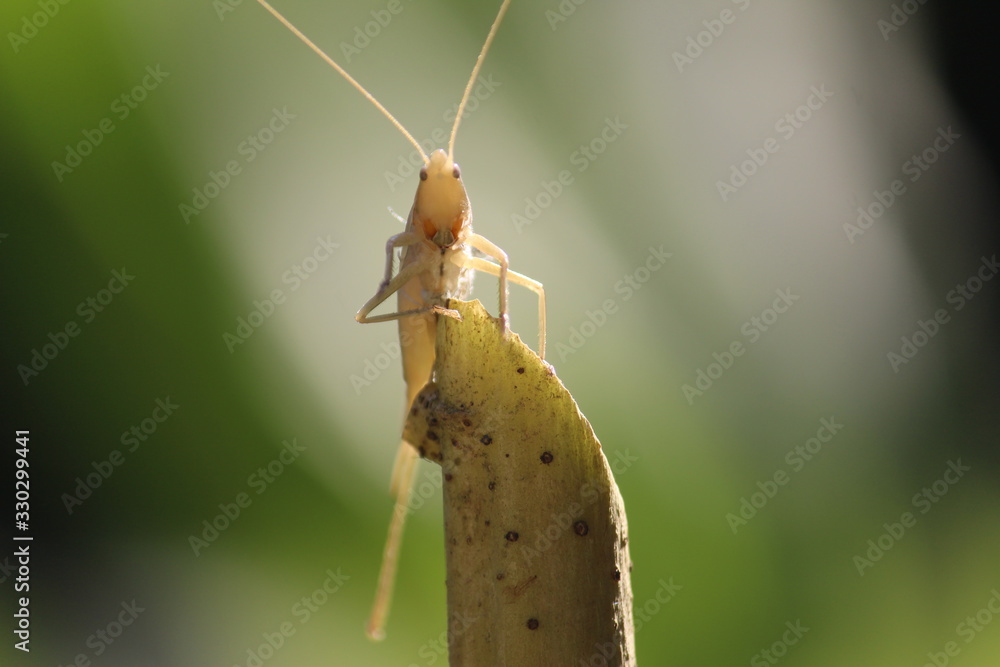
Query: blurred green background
(689, 89)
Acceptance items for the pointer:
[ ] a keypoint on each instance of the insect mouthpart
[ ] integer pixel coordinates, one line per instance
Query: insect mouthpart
(442, 233)
(444, 238)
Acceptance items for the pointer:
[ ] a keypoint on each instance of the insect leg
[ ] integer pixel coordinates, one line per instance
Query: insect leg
(399, 240)
(486, 266)
(487, 247)
(388, 289)
(404, 474)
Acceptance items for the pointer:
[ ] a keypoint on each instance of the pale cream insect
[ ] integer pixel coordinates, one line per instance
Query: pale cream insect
(436, 264)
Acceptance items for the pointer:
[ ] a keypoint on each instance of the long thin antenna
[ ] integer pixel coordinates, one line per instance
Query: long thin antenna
(330, 61)
(472, 79)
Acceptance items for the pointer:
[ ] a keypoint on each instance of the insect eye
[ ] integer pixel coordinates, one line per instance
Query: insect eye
(456, 172)
(423, 173)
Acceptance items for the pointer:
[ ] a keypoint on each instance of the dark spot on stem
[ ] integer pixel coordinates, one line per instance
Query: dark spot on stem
(486, 439)
(511, 536)
(546, 457)
(493, 485)
(431, 435)
(447, 477)
(581, 528)
(520, 370)
(532, 623)
(618, 575)
(500, 576)
(466, 422)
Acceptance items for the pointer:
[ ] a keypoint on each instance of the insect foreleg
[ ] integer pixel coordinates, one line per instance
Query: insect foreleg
(400, 240)
(504, 274)
(487, 247)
